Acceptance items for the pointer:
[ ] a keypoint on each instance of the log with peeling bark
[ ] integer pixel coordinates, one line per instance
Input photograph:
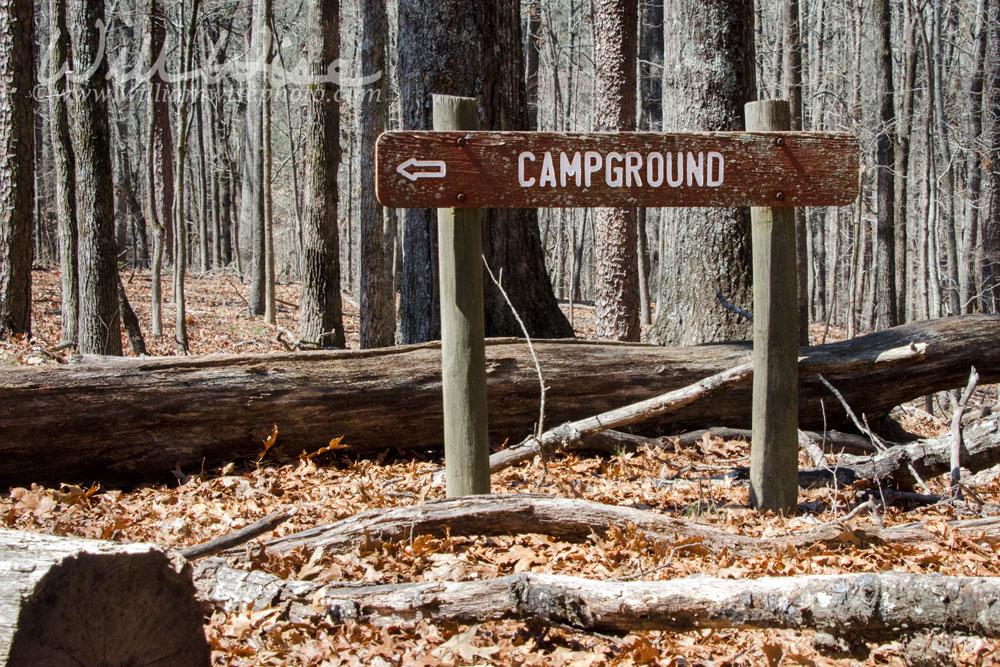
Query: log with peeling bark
(138, 419)
(575, 520)
(854, 607)
(901, 466)
(68, 601)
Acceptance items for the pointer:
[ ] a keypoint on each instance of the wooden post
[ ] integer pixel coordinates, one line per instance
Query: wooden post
(774, 442)
(463, 350)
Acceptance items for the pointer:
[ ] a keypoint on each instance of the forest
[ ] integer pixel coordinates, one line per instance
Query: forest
(225, 365)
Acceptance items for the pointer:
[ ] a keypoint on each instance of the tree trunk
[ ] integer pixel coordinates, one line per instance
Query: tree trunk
(62, 152)
(159, 159)
(967, 243)
(378, 303)
(17, 163)
(885, 243)
(991, 226)
(475, 51)
(68, 601)
(904, 128)
(58, 421)
(320, 318)
(855, 608)
(616, 312)
(708, 75)
(100, 322)
(252, 198)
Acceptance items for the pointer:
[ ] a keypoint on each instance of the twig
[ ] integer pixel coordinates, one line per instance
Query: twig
(729, 306)
(538, 368)
(259, 527)
(877, 441)
(956, 434)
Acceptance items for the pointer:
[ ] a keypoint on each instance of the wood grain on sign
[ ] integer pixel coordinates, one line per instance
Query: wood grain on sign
(563, 169)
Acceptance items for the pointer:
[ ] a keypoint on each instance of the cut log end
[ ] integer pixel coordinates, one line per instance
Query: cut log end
(76, 602)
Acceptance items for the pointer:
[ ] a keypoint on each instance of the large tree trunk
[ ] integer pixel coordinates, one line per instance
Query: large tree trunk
(708, 75)
(991, 226)
(377, 300)
(159, 160)
(100, 323)
(68, 601)
(17, 163)
(62, 153)
(885, 244)
(616, 302)
(855, 608)
(252, 197)
(320, 318)
(134, 420)
(472, 50)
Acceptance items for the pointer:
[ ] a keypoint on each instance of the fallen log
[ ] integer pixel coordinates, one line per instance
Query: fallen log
(572, 520)
(855, 607)
(900, 466)
(134, 420)
(68, 601)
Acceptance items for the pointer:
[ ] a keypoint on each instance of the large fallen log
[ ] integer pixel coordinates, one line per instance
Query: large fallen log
(575, 520)
(134, 420)
(68, 601)
(854, 607)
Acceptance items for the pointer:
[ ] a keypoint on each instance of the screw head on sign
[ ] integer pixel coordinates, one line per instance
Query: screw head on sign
(780, 141)
(460, 141)
(780, 196)
(461, 197)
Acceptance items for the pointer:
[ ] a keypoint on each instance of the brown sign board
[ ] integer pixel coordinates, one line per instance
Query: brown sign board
(565, 169)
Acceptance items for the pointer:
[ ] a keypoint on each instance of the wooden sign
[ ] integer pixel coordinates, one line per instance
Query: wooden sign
(563, 169)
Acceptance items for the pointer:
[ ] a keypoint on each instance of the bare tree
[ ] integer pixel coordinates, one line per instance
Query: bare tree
(617, 287)
(378, 311)
(100, 322)
(708, 75)
(991, 226)
(17, 163)
(320, 318)
(885, 244)
(159, 158)
(62, 152)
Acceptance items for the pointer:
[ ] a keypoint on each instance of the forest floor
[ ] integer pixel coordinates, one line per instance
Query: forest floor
(683, 483)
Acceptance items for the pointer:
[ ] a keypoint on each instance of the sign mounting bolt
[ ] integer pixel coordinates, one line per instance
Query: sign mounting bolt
(780, 141)
(780, 196)
(460, 141)
(461, 195)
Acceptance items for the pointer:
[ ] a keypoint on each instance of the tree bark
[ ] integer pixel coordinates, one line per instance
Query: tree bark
(885, 243)
(708, 75)
(991, 226)
(616, 312)
(59, 421)
(68, 601)
(570, 520)
(377, 300)
(855, 607)
(62, 153)
(252, 197)
(100, 322)
(471, 50)
(17, 163)
(320, 315)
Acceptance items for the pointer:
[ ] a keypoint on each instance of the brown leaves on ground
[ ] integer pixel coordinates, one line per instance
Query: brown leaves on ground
(687, 484)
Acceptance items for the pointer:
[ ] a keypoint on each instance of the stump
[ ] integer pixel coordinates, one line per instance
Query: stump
(70, 601)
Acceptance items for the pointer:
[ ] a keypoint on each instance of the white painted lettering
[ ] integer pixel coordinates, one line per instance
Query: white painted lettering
(715, 175)
(654, 175)
(613, 175)
(695, 170)
(591, 165)
(633, 163)
(569, 168)
(678, 173)
(521, 180)
(548, 171)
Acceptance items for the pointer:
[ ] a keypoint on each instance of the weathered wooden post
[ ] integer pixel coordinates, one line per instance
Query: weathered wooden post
(774, 446)
(463, 350)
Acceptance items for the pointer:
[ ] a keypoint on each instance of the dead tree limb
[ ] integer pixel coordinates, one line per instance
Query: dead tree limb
(128, 421)
(235, 539)
(567, 519)
(856, 607)
(68, 601)
(957, 445)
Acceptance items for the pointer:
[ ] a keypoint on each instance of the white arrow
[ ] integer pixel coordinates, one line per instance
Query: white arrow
(439, 165)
